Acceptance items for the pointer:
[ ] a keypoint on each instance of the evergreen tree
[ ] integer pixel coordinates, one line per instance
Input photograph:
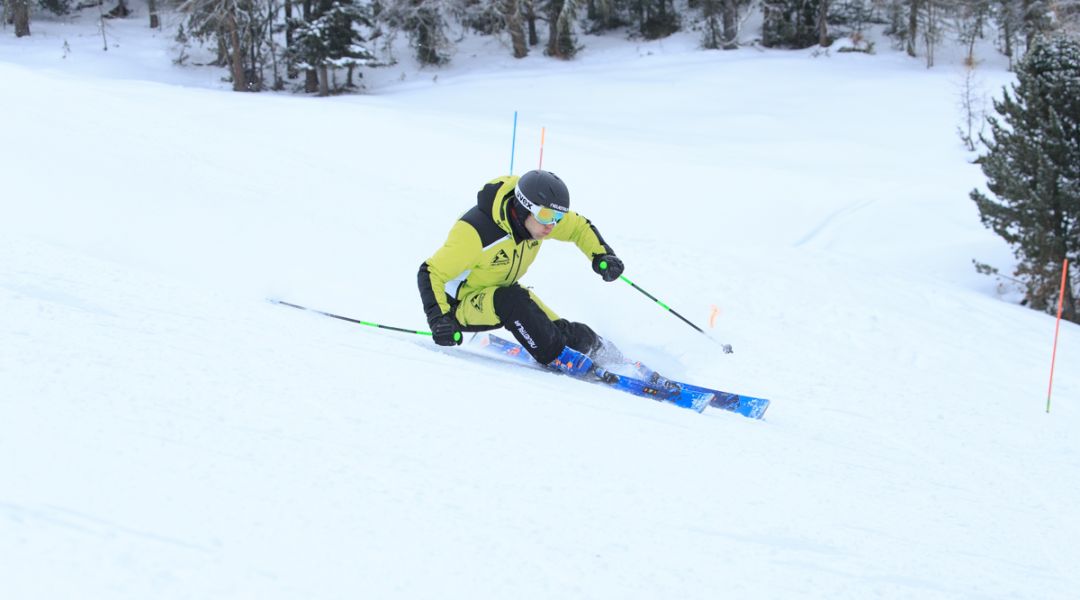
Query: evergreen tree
(561, 40)
(331, 41)
(1020, 22)
(424, 21)
(238, 29)
(656, 18)
(1007, 18)
(56, 7)
(606, 15)
(721, 23)
(511, 12)
(1033, 170)
(20, 16)
(791, 23)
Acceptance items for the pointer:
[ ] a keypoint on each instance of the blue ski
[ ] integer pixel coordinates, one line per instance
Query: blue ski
(748, 406)
(696, 400)
(649, 384)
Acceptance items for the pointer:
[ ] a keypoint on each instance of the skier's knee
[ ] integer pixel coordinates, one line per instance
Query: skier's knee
(510, 301)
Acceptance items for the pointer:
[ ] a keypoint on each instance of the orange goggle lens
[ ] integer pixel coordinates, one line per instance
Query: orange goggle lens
(547, 216)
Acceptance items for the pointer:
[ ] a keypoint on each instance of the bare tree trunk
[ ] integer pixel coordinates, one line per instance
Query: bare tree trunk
(1069, 308)
(1007, 32)
(311, 77)
(512, 13)
(823, 23)
(913, 28)
(711, 11)
(237, 63)
(21, 17)
(324, 81)
(554, 8)
(1029, 20)
(151, 7)
(560, 29)
(931, 33)
(969, 60)
(222, 58)
(291, 72)
(729, 12)
(530, 18)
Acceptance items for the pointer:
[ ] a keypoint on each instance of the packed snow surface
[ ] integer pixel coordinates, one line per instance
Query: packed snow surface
(168, 433)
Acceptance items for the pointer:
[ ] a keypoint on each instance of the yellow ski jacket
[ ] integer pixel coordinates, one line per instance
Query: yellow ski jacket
(487, 248)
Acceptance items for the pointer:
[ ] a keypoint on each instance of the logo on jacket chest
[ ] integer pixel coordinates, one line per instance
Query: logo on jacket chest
(501, 259)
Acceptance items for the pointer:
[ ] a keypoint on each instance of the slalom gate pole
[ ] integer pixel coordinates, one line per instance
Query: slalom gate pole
(726, 347)
(1057, 329)
(513, 143)
(350, 320)
(542, 131)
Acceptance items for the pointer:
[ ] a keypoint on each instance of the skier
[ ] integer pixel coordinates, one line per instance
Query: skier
(471, 283)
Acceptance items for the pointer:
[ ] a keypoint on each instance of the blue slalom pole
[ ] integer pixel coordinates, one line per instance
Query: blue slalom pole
(513, 143)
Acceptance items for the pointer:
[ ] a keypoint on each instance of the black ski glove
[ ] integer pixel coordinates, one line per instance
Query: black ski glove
(608, 266)
(445, 330)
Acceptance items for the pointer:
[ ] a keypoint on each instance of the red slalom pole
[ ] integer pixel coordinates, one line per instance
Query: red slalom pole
(542, 131)
(1057, 329)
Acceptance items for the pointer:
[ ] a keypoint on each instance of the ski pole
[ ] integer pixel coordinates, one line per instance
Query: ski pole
(357, 321)
(513, 144)
(726, 347)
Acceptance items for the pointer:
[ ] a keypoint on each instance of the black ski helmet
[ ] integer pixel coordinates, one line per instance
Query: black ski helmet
(542, 188)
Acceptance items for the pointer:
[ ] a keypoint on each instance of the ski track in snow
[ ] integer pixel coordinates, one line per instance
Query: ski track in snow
(833, 216)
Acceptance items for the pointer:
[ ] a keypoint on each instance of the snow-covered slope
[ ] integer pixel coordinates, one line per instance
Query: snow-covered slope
(168, 433)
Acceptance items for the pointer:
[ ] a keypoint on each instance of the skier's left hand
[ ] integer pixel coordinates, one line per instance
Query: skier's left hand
(608, 266)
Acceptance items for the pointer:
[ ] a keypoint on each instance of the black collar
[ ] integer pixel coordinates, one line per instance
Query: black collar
(517, 223)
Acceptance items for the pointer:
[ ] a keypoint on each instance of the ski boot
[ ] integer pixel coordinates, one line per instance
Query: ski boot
(572, 363)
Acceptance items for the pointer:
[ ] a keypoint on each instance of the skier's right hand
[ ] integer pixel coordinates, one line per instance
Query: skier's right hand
(445, 330)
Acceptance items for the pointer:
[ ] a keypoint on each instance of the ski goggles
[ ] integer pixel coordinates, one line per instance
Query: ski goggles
(545, 215)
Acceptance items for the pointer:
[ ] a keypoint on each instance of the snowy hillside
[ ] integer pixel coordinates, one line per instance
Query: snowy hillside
(168, 433)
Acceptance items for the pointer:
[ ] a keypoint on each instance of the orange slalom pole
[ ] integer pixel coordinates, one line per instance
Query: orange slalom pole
(1057, 329)
(542, 131)
(712, 316)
